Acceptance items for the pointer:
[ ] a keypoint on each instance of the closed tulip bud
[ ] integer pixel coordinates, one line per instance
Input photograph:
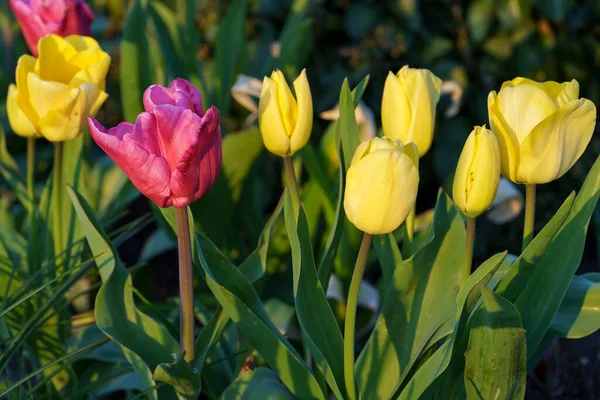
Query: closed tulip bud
(285, 122)
(478, 173)
(55, 93)
(542, 128)
(173, 152)
(39, 18)
(408, 106)
(381, 185)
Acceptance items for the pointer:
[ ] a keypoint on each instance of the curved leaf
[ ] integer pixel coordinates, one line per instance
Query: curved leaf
(579, 312)
(258, 384)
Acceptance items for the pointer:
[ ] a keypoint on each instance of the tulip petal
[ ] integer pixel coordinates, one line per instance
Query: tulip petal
(422, 89)
(272, 130)
(149, 173)
(288, 108)
(32, 26)
(53, 61)
(18, 120)
(157, 95)
(304, 118)
(47, 95)
(557, 142)
(82, 42)
(78, 20)
(373, 187)
(181, 85)
(93, 65)
(569, 92)
(507, 139)
(395, 110)
(61, 124)
(523, 107)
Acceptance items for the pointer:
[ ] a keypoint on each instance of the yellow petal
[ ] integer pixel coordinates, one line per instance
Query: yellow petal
(47, 95)
(269, 119)
(569, 92)
(81, 43)
(97, 103)
(53, 61)
(422, 89)
(507, 139)
(66, 123)
(361, 151)
(25, 65)
(287, 104)
(523, 107)
(412, 151)
(557, 142)
(380, 191)
(395, 110)
(19, 122)
(94, 72)
(304, 118)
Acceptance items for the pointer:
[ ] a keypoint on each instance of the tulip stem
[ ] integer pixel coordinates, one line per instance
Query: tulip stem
(410, 230)
(57, 195)
(529, 215)
(186, 284)
(292, 185)
(469, 244)
(350, 320)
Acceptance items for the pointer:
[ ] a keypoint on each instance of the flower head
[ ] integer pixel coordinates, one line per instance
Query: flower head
(172, 153)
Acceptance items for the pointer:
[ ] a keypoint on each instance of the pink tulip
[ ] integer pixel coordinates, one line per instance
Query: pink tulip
(39, 18)
(173, 152)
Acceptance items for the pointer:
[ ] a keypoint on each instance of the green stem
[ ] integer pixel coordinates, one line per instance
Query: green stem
(350, 322)
(529, 215)
(291, 183)
(57, 212)
(186, 284)
(410, 230)
(469, 243)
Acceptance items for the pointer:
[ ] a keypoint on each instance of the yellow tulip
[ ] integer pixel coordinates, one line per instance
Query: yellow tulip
(542, 128)
(285, 122)
(478, 173)
(381, 185)
(408, 106)
(55, 93)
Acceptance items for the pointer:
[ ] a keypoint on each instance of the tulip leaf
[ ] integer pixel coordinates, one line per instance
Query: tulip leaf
(579, 312)
(295, 43)
(495, 360)
(241, 302)
(320, 329)
(258, 384)
(388, 254)
(180, 375)
(135, 73)
(346, 125)
(144, 341)
(419, 299)
(441, 358)
(541, 297)
(10, 171)
(165, 23)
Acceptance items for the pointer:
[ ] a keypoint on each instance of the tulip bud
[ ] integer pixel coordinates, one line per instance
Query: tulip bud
(478, 173)
(173, 152)
(408, 106)
(55, 93)
(381, 185)
(39, 18)
(542, 128)
(285, 122)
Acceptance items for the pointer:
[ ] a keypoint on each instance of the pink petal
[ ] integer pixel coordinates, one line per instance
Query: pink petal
(181, 85)
(200, 165)
(148, 172)
(49, 11)
(77, 19)
(157, 95)
(32, 26)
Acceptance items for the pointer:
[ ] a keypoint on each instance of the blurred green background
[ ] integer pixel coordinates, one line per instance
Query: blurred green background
(478, 44)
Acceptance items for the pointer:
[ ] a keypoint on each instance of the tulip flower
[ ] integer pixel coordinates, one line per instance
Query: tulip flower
(408, 106)
(478, 173)
(39, 18)
(55, 93)
(285, 122)
(381, 185)
(542, 128)
(172, 153)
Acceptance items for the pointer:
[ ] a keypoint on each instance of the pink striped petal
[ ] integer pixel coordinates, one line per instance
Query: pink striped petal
(183, 86)
(157, 95)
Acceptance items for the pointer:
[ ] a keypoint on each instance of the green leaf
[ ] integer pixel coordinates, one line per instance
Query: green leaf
(230, 42)
(420, 298)
(441, 358)
(320, 329)
(346, 125)
(210, 335)
(258, 384)
(479, 19)
(541, 297)
(579, 312)
(144, 341)
(241, 302)
(496, 357)
(10, 171)
(134, 69)
(295, 44)
(180, 375)
(388, 254)
(165, 23)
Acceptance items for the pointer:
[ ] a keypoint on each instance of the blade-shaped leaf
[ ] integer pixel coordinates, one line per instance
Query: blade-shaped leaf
(579, 312)
(258, 384)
